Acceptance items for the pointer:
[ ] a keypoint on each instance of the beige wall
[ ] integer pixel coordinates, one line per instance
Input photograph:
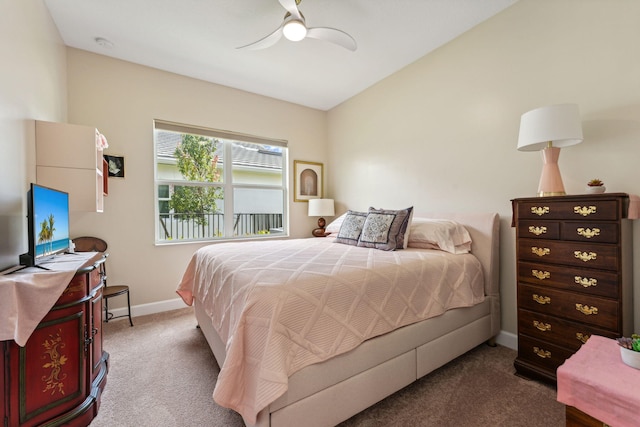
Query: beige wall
(122, 99)
(441, 134)
(32, 86)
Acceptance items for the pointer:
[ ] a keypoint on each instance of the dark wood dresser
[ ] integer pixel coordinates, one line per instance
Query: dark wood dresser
(574, 276)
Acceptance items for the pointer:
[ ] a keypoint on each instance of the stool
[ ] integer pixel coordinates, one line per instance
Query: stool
(95, 244)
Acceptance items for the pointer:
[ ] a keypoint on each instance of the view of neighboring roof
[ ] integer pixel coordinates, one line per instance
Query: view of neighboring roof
(243, 153)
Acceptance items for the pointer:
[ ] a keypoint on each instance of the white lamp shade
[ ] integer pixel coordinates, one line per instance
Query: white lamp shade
(559, 124)
(321, 207)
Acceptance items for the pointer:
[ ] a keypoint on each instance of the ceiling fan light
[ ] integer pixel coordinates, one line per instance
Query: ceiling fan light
(294, 30)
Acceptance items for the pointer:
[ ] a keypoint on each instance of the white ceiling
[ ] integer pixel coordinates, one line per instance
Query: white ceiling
(198, 38)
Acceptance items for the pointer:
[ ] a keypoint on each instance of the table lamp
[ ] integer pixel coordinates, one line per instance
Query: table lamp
(548, 129)
(321, 208)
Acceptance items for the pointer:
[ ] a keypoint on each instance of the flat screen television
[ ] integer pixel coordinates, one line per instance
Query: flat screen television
(48, 224)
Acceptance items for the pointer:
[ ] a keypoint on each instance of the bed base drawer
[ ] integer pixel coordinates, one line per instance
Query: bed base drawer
(436, 353)
(364, 390)
(319, 376)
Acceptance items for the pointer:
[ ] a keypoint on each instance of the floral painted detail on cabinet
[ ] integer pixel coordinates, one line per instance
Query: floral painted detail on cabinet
(54, 382)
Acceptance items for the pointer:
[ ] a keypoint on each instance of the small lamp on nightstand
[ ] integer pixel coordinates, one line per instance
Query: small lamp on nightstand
(321, 208)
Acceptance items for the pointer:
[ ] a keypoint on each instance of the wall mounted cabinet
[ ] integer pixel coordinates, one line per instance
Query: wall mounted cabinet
(68, 158)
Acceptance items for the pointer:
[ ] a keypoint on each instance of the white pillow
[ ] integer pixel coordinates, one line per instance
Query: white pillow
(440, 234)
(334, 226)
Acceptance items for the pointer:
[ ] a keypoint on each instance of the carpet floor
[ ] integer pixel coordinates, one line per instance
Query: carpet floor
(162, 373)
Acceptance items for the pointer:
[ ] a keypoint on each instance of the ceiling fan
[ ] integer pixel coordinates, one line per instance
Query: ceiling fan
(294, 28)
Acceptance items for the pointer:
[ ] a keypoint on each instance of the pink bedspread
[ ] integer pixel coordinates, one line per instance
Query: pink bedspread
(282, 305)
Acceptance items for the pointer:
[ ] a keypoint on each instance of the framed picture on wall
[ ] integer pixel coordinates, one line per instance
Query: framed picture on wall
(307, 181)
(115, 166)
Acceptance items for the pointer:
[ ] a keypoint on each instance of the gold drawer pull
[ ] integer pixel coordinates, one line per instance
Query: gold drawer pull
(540, 210)
(584, 210)
(584, 256)
(540, 251)
(542, 326)
(541, 300)
(585, 281)
(540, 274)
(537, 230)
(542, 353)
(586, 310)
(588, 232)
(582, 337)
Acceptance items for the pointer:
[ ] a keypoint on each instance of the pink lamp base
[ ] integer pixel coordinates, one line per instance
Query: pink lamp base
(550, 180)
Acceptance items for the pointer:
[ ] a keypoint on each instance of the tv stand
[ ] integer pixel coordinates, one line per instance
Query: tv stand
(57, 377)
(26, 260)
(27, 266)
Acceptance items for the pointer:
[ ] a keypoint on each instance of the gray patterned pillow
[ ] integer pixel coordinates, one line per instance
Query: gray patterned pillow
(351, 228)
(385, 229)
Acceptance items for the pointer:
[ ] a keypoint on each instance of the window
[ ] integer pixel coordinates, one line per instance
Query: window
(213, 184)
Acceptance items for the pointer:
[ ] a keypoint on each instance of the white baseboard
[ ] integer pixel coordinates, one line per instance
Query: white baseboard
(150, 308)
(507, 339)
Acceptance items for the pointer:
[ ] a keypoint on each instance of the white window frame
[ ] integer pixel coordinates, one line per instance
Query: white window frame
(227, 184)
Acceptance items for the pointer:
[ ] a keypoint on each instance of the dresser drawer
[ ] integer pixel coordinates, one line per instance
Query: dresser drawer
(539, 229)
(578, 231)
(591, 231)
(591, 310)
(75, 292)
(562, 332)
(541, 353)
(591, 209)
(80, 286)
(593, 282)
(579, 254)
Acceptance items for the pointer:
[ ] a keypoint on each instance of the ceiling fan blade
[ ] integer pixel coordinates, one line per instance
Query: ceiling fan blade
(292, 7)
(334, 36)
(264, 42)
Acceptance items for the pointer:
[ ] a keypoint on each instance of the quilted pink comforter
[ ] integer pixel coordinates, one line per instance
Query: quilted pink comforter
(281, 305)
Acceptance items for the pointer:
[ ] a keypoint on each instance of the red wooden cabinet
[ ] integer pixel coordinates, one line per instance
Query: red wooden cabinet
(58, 376)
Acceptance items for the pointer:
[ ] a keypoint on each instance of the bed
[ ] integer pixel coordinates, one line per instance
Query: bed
(280, 368)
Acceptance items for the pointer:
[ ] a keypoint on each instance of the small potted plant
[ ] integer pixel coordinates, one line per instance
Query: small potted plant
(595, 186)
(630, 350)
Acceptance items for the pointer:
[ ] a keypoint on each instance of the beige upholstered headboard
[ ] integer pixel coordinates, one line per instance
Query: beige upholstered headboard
(484, 229)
